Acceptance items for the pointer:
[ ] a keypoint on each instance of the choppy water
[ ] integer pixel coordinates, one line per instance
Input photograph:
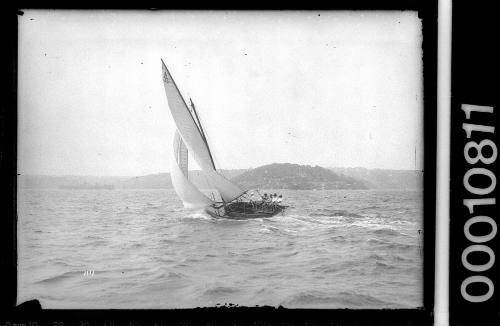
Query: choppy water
(331, 249)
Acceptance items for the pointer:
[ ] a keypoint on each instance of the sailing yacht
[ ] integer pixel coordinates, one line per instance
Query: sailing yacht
(233, 202)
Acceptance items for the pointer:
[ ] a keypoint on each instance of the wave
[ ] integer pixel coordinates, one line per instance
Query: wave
(136, 245)
(290, 254)
(379, 264)
(375, 257)
(167, 241)
(387, 244)
(96, 243)
(341, 299)
(94, 237)
(338, 238)
(272, 228)
(401, 258)
(386, 232)
(376, 241)
(311, 297)
(269, 229)
(175, 275)
(60, 277)
(334, 213)
(344, 266)
(401, 246)
(123, 270)
(368, 301)
(197, 216)
(327, 268)
(263, 249)
(170, 275)
(221, 290)
(61, 262)
(371, 207)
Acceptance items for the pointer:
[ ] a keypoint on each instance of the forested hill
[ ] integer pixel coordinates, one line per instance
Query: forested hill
(385, 179)
(272, 176)
(294, 176)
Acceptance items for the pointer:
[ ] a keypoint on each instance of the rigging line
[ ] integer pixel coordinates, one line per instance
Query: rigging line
(187, 108)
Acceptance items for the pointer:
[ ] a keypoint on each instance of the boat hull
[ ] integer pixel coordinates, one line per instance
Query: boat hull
(244, 215)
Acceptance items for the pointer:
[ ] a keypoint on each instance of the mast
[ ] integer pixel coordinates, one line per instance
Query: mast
(197, 118)
(202, 132)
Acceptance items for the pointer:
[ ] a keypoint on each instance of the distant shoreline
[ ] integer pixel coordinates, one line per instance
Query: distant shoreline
(272, 176)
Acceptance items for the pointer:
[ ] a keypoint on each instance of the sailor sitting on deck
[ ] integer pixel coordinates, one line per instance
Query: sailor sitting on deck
(266, 201)
(252, 199)
(279, 199)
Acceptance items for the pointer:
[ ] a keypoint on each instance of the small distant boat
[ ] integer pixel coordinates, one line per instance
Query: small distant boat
(233, 201)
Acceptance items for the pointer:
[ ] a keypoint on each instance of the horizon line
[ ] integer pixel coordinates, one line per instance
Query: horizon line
(199, 170)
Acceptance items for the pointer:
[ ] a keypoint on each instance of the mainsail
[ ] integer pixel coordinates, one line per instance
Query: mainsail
(194, 139)
(189, 194)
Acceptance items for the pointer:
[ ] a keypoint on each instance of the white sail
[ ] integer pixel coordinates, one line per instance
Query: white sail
(185, 189)
(194, 140)
(227, 189)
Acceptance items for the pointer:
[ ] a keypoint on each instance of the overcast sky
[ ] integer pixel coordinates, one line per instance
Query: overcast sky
(335, 89)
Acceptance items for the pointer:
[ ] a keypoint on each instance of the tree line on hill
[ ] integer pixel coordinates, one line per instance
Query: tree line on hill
(271, 176)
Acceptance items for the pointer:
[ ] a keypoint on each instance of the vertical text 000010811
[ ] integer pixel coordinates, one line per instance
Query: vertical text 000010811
(478, 155)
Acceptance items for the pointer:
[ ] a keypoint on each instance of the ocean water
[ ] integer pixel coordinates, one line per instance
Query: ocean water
(331, 249)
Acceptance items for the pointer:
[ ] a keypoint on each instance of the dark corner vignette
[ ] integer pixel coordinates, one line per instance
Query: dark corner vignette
(8, 162)
(474, 240)
(30, 314)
